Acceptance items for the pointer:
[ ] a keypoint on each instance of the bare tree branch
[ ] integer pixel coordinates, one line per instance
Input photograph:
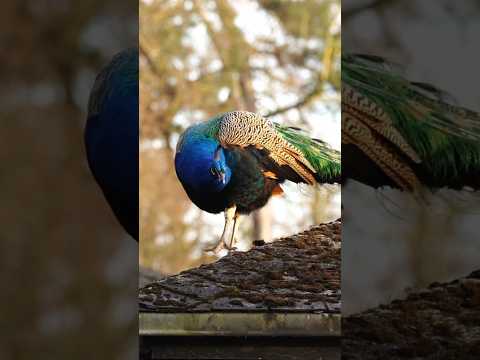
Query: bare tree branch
(324, 76)
(148, 58)
(299, 104)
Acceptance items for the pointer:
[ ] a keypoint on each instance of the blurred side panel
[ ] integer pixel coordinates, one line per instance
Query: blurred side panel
(411, 162)
(68, 271)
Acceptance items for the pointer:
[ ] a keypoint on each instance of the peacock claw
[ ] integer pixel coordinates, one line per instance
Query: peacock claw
(230, 216)
(230, 248)
(215, 249)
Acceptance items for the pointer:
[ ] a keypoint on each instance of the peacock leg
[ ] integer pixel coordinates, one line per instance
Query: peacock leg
(236, 221)
(229, 218)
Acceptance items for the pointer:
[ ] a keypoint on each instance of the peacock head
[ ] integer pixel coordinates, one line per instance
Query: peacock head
(202, 165)
(219, 170)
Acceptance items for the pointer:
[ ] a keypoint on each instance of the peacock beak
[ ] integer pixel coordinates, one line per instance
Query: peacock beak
(221, 177)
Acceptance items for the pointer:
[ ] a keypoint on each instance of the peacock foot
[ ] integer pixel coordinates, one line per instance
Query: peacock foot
(230, 226)
(219, 246)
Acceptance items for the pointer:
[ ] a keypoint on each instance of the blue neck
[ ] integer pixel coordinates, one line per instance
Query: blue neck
(194, 161)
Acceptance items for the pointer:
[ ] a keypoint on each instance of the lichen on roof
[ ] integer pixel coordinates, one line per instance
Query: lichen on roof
(440, 322)
(300, 273)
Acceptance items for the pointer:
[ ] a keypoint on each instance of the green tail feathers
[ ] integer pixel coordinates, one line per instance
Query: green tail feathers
(325, 160)
(378, 79)
(445, 136)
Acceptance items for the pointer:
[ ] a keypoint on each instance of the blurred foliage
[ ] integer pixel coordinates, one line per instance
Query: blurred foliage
(200, 58)
(68, 271)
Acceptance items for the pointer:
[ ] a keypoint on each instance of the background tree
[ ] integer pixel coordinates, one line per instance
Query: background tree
(200, 58)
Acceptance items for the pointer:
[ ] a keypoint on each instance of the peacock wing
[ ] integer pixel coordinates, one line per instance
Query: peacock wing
(247, 129)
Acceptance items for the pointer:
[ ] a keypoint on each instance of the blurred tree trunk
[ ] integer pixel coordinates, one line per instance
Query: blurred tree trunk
(262, 224)
(321, 196)
(234, 52)
(262, 218)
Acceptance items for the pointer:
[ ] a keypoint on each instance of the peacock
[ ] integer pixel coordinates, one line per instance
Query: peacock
(236, 161)
(111, 136)
(404, 134)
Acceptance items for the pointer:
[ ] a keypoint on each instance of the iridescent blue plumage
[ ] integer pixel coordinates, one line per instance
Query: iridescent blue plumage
(202, 164)
(111, 136)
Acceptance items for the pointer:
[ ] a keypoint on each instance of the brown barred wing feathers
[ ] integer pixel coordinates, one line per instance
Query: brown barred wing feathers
(244, 129)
